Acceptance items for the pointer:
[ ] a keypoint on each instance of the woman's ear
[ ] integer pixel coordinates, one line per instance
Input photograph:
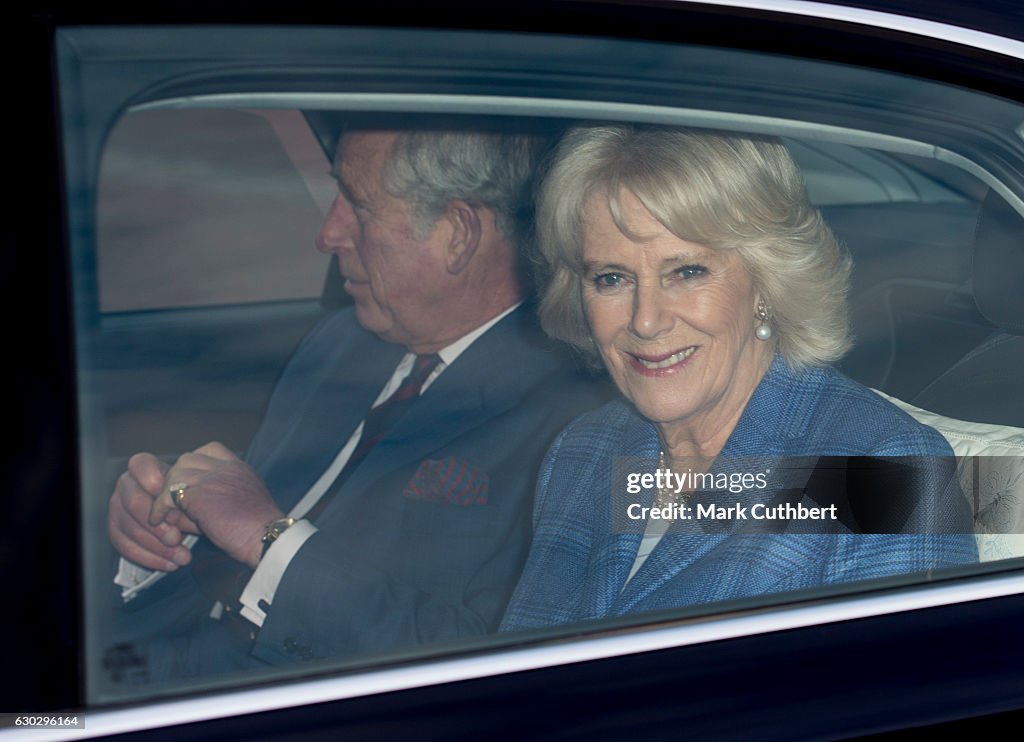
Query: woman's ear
(465, 234)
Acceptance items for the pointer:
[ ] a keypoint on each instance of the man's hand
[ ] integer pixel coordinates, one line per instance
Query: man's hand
(223, 496)
(157, 546)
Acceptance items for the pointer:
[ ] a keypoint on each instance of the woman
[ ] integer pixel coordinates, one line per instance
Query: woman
(694, 268)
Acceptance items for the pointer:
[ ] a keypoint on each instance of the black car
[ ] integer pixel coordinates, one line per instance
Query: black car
(164, 272)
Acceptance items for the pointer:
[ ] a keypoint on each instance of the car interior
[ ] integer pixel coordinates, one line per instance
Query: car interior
(935, 308)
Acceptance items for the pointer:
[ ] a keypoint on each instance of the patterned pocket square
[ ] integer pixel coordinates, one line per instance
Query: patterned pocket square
(449, 481)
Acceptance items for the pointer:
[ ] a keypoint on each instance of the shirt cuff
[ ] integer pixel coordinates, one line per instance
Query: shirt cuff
(270, 570)
(133, 579)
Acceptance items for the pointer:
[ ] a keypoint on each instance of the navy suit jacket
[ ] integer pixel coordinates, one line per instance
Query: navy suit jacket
(580, 560)
(425, 540)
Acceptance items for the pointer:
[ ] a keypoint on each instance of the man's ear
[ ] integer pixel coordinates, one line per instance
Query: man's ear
(465, 235)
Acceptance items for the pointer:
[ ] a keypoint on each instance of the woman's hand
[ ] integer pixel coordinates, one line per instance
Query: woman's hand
(223, 496)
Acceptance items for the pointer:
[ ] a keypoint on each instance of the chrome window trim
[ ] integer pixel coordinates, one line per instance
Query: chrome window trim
(879, 19)
(504, 661)
(560, 108)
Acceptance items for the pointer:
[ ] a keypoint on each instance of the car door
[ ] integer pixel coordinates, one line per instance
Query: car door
(905, 137)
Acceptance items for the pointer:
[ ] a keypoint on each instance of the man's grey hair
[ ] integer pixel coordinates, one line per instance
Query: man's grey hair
(721, 190)
(428, 169)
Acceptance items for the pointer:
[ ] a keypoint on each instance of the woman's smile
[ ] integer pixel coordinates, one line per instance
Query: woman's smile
(661, 364)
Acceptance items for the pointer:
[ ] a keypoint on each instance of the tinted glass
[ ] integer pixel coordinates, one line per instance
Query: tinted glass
(194, 299)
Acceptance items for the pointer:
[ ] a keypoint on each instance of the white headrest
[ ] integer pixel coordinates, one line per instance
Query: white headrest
(991, 466)
(967, 438)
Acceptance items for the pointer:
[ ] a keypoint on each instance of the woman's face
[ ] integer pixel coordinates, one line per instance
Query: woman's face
(674, 321)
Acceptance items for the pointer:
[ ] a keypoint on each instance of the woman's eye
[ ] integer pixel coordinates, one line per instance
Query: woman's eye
(687, 272)
(607, 280)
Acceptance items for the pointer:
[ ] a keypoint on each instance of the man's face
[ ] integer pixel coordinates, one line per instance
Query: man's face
(396, 280)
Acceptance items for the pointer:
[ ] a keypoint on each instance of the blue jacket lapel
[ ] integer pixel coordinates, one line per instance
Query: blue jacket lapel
(778, 413)
(770, 429)
(617, 552)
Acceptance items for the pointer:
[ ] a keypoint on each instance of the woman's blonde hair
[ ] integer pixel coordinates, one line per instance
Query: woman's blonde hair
(723, 191)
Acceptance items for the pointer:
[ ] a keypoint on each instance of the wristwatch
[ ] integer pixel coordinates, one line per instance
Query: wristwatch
(273, 531)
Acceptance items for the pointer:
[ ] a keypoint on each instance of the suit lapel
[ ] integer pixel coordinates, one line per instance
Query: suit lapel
(347, 383)
(486, 380)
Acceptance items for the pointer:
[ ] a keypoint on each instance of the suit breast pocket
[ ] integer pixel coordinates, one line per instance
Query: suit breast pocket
(448, 496)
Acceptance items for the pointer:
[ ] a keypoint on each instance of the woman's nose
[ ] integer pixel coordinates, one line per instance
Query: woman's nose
(339, 229)
(651, 317)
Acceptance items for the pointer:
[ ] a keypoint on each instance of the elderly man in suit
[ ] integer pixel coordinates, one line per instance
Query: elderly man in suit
(385, 501)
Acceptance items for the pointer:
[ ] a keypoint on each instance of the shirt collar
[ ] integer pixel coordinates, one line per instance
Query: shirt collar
(450, 352)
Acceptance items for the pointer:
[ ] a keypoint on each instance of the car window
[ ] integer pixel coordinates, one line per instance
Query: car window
(199, 318)
(198, 207)
(840, 174)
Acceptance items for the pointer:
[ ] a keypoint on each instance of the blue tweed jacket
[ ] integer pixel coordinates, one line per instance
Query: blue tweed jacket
(579, 562)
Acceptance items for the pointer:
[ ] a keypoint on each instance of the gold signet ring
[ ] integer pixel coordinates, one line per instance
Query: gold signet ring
(178, 494)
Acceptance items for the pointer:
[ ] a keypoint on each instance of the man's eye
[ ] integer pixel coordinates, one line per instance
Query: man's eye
(691, 271)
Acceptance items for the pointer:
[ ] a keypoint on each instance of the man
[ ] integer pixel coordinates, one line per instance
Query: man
(386, 498)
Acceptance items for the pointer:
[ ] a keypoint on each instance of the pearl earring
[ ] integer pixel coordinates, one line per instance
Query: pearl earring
(764, 330)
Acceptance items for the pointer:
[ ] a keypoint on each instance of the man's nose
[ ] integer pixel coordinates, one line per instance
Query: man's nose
(651, 316)
(339, 229)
